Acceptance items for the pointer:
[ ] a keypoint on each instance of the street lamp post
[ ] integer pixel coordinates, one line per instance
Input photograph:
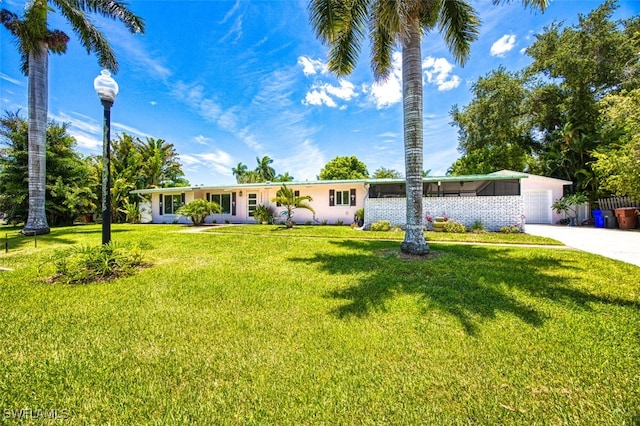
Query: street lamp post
(107, 89)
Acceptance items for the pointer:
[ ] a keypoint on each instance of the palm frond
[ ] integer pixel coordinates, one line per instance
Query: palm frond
(459, 25)
(90, 37)
(384, 29)
(532, 4)
(114, 9)
(342, 24)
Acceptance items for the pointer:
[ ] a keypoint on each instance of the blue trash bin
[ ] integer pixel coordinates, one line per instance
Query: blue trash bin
(598, 218)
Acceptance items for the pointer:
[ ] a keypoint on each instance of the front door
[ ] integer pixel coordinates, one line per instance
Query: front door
(252, 203)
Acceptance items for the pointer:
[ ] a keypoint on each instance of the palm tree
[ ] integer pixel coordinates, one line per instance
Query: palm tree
(342, 24)
(35, 40)
(264, 169)
(160, 163)
(239, 171)
(288, 199)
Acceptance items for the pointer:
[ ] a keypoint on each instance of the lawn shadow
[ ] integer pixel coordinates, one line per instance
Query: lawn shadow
(471, 283)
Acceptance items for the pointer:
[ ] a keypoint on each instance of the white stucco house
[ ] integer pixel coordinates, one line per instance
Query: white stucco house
(495, 199)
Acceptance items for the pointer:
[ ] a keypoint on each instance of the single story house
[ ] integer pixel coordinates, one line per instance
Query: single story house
(495, 199)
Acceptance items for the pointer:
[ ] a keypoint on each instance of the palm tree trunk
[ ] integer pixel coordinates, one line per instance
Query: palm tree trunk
(37, 163)
(414, 241)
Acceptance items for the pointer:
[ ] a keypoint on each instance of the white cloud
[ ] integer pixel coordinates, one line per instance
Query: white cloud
(503, 45)
(305, 163)
(438, 72)
(388, 92)
(202, 140)
(5, 77)
(231, 11)
(219, 160)
(130, 130)
(325, 93)
(312, 66)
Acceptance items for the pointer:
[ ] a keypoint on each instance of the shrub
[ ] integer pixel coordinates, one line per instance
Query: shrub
(396, 228)
(381, 225)
(510, 229)
(478, 227)
(454, 227)
(198, 209)
(84, 264)
(339, 222)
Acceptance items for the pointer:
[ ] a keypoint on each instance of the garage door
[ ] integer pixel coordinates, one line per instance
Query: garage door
(537, 207)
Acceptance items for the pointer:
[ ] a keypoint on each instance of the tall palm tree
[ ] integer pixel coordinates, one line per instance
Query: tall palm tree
(161, 165)
(264, 168)
(35, 41)
(239, 171)
(343, 24)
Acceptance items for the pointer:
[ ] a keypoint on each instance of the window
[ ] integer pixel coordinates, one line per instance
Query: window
(224, 201)
(342, 198)
(252, 203)
(169, 204)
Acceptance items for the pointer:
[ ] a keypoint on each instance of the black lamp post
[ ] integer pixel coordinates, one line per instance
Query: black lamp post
(107, 89)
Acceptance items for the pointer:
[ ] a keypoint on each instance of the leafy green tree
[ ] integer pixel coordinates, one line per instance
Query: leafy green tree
(574, 68)
(287, 198)
(494, 132)
(344, 24)
(35, 40)
(618, 163)
(343, 168)
(264, 169)
(197, 210)
(384, 173)
(283, 178)
(69, 183)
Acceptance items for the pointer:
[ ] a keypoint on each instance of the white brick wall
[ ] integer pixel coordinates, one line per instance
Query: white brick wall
(493, 212)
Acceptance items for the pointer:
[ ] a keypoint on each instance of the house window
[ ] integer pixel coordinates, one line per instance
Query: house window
(342, 198)
(171, 203)
(224, 201)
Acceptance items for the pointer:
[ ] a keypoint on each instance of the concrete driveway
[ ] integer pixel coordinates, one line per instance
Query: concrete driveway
(612, 243)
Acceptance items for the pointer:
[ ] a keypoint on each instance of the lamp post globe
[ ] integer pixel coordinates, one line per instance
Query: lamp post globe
(107, 90)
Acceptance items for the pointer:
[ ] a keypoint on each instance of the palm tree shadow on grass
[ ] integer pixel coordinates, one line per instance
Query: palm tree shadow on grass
(471, 283)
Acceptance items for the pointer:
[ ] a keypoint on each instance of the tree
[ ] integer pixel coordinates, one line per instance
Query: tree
(342, 25)
(618, 163)
(35, 40)
(239, 171)
(574, 68)
(383, 173)
(264, 169)
(494, 132)
(69, 183)
(343, 168)
(161, 167)
(283, 178)
(287, 198)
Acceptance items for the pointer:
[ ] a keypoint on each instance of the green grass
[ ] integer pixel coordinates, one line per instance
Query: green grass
(242, 329)
(348, 232)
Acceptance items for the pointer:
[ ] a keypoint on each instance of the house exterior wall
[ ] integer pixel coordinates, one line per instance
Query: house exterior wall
(540, 183)
(326, 209)
(493, 212)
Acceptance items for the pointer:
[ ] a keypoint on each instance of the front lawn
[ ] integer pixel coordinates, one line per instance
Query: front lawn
(236, 328)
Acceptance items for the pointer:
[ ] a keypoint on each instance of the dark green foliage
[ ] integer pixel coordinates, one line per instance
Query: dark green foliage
(197, 210)
(69, 186)
(342, 168)
(84, 264)
(381, 225)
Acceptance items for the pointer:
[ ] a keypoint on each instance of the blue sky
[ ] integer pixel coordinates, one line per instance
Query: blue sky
(229, 81)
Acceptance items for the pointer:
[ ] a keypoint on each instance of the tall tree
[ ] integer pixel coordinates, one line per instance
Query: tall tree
(238, 171)
(494, 131)
(575, 68)
(35, 40)
(264, 168)
(384, 173)
(341, 168)
(161, 166)
(69, 183)
(342, 24)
